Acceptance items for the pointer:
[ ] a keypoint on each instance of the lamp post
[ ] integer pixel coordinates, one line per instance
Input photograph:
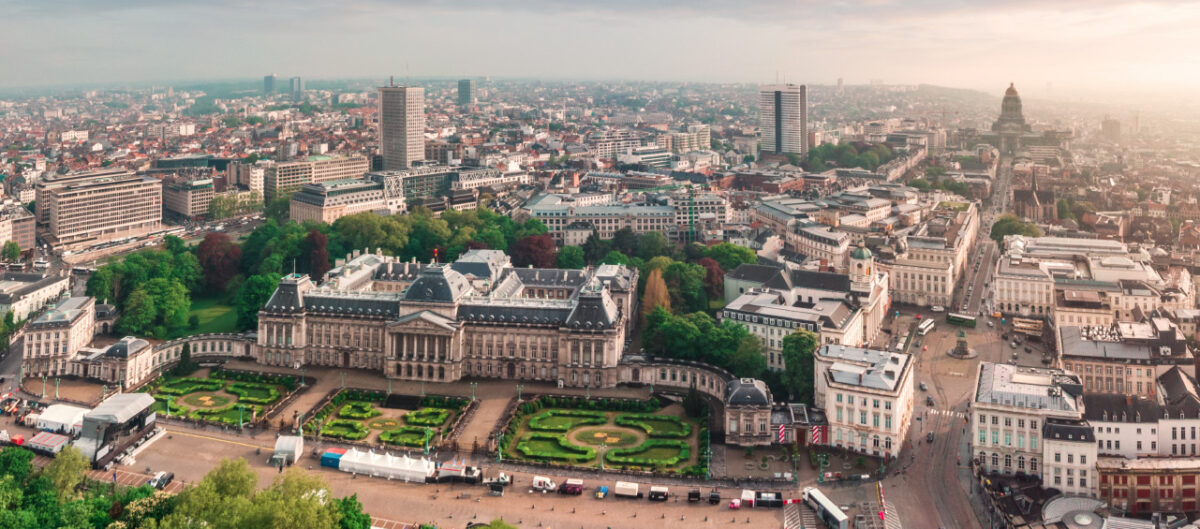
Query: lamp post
(519, 388)
(603, 450)
(422, 388)
(56, 379)
(169, 405)
(343, 380)
(473, 386)
(43, 386)
(389, 386)
(241, 411)
(707, 464)
(302, 377)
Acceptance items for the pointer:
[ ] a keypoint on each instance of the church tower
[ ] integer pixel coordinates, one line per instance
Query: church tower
(862, 264)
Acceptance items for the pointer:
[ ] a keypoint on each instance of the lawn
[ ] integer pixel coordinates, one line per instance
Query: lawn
(215, 317)
(607, 436)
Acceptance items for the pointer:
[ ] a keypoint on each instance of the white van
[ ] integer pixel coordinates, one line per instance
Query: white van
(543, 484)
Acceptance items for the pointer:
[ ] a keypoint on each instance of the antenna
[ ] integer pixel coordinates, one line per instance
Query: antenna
(392, 81)
(293, 267)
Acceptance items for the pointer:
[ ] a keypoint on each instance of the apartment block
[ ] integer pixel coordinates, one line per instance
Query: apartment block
(329, 201)
(98, 207)
(187, 197)
(287, 177)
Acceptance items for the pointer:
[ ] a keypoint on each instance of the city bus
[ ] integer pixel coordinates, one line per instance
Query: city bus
(830, 514)
(925, 327)
(962, 320)
(1030, 327)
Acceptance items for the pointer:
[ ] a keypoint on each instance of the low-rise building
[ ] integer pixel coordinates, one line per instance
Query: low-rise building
(1150, 484)
(51, 340)
(187, 197)
(23, 294)
(328, 201)
(1070, 456)
(748, 405)
(867, 396)
(1125, 358)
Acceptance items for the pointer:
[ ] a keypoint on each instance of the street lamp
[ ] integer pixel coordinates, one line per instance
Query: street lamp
(422, 388)
(519, 388)
(169, 397)
(603, 449)
(473, 386)
(241, 411)
(343, 380)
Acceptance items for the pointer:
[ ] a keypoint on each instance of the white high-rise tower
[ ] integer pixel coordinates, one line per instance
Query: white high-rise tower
(784, 119)
(401, 126)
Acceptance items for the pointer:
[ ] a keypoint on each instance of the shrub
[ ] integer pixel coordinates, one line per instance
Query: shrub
(453, 403)
(160, 406)
(634, 456)
(287, 381)
(344, 429)
(564, 420)
(656, 425)
(185, 385)
(254, 392)
(558, 449)
(358, 410)
(414, 436)
(427, 417)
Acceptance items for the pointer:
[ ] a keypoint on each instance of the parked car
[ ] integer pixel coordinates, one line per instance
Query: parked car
(924, 387)
(929, 400)
(929, 437)
(161, 480)
(938, 308)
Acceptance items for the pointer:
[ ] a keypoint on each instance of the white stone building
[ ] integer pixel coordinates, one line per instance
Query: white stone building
(867, 396)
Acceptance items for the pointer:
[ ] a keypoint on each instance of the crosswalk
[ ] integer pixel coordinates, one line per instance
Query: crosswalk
(947, 413)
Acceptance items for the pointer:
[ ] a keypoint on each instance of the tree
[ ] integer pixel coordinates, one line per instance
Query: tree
(185, 366)
(171, 303)
(139, 314)
(1064, 210)
(279, 208)
(16, 462)
(570, 257)
(615, 258)
(685, 282)
(920, 184)
(625, 241)
(655, 295)
(747, 359)
(253, 295)
(1009, 224)
(538, 251)
(729, 256)
(595, 248)
(798, 349)
(11, 251)
(714, 277)
(219, 257)
(318, 254)
(67, 471)
(652, 244)
(352, 515)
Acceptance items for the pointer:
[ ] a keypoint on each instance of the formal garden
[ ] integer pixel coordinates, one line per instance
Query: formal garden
(360, 416)
(221, 396)
(608, 433)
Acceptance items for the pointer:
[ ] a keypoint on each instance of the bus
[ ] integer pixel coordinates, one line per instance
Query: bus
(925, 327)
(1030, 327)
(961, 320)
(830, 514)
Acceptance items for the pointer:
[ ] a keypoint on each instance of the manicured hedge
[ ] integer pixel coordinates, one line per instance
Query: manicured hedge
(565, 450)
(373, 397)
(247, 392)
(453, 403)
(581, 403)
(427, 417)
(183, 386)
(160, 406)
(345, 429)
(680, 427)
(358, 410)
(403, 436)
(629, 456)
(542, 421)
(287, 381)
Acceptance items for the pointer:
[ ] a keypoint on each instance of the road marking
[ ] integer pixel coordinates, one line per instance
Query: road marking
(211, 438)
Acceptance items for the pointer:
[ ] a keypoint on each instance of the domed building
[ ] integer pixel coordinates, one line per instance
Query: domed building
(1010, 126)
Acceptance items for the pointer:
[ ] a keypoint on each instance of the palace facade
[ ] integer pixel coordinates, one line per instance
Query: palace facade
(476, 317)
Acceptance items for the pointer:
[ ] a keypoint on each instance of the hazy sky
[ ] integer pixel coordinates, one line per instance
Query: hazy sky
(1073, 44)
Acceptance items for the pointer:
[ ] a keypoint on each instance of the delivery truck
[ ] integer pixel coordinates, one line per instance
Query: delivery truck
(625, 489)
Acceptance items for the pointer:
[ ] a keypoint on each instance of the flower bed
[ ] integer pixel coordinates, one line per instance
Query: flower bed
(254, 392)
(565, 420)
(652, 453)
(427, 417)
(541, 446)
(345, 429)
(183, 386)
(414, 436)
(656, 425)
(358, 410)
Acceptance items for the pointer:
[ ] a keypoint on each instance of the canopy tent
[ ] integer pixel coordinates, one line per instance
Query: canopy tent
(386, 466)
(62, 418)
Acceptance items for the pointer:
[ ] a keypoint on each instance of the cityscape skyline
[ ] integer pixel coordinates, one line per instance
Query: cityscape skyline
(977, 47)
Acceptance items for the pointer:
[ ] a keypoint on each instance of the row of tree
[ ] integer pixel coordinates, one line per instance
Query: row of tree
(60, 496)
(151, 287)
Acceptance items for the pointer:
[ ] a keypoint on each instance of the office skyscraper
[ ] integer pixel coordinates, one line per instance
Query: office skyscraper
(466, 92)
(269, 84)
(783, 118)
(297, 88)
(401, 126)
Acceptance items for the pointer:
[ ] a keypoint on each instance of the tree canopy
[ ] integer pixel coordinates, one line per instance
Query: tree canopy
(1009, 224)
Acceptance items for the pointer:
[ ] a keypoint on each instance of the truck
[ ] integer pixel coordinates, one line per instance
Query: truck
(543, 484)
(658, 493)
(573, 487)
(626, 489)
(768, 499)
(500, 479)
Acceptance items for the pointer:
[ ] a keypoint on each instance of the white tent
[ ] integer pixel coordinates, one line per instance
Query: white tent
(386, 466)
(62, 418)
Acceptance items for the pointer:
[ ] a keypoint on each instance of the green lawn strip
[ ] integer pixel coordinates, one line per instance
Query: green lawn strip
(345, 429)
(543, 446)
(588, 437)
(555, 420)
(414, 436)
(196, 400)
(428, 417)
(668, 426)
(214, 316)
(358, 410)
(658, 453)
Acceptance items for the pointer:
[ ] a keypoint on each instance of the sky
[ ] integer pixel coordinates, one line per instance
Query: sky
(1055, 47)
